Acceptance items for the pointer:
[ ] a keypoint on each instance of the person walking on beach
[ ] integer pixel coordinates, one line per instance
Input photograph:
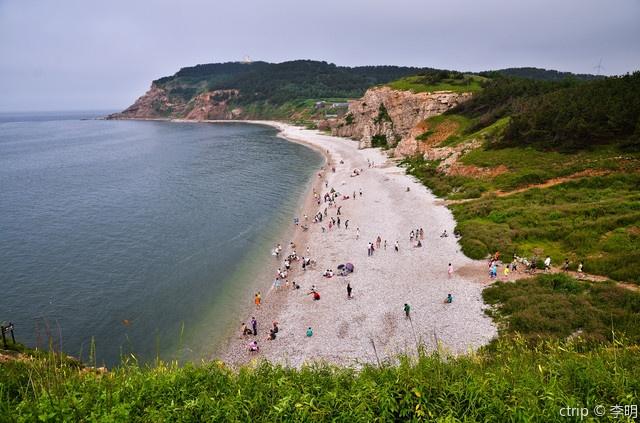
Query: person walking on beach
(385, 244)
(369, 249)
(360, 192)
(349, 290)
(257, 299)
(357, 233)
(254, 325)
(397, 247)
(450, 270)
(411, 237)
(378, 242)
(407, 311)
(338, 221)
(346, 224)
(421, 233)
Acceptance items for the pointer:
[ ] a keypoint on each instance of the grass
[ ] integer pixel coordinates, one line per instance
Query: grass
(441, 125)
(595, 220)
(512, 382)
(557, 306)
(416, 84)
(301, 111)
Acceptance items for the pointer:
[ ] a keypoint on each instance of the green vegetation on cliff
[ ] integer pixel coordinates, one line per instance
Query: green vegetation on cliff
(539, 185)
(278, 83)
(439, 81)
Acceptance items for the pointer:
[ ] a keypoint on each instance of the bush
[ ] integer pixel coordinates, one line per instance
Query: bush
(474, 248)
(559, 306)
(379, 141)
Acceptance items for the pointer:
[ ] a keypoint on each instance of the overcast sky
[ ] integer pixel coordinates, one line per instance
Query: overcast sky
(96, 54)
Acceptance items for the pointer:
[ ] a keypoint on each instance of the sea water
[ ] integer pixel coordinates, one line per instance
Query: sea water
(138, 237)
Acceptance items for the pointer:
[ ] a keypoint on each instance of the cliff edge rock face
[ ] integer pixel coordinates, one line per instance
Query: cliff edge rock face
(392, 117)
(157, 104)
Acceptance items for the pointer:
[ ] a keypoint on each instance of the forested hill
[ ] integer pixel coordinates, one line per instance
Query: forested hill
(281, 82)
(541, 74)
(563, 115)
(288, 90)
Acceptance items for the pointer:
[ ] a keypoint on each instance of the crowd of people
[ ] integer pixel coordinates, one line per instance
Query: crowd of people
(329, 217)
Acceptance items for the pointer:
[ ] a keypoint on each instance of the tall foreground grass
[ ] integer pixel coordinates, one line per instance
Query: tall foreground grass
(511, 383)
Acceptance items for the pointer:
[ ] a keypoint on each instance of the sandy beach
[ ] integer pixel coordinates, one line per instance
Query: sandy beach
(371, 326)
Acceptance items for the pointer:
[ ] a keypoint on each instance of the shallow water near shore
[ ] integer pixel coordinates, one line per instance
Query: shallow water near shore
(143, 236)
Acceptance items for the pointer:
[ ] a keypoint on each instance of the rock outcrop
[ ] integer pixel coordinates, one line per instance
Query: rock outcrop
(392, 117)
(158, 104)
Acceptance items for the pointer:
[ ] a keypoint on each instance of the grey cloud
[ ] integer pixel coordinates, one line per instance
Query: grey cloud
(80, 54)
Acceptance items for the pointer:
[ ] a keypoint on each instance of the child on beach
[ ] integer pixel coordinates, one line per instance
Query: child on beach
(450, 270)
(449, 299)
(309, 332)
(245, 330)
(257, 299)
(254, 325)
(253, 347)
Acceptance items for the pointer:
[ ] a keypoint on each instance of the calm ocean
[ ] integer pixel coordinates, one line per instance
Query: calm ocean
(141, 236)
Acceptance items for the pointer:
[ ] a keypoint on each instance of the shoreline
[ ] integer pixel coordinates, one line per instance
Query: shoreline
(371, 327)
(289, 233)
(380, 335)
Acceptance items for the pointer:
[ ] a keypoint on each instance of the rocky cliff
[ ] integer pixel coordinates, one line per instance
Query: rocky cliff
(384, 116)
(157, 103)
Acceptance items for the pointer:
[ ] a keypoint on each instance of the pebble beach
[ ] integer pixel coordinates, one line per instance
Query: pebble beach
(370, 327)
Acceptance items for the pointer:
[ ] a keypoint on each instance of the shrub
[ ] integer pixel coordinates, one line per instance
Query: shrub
(379, 141)
(474, 248)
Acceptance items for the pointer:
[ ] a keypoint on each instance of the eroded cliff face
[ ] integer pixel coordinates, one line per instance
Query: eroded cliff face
(157, 104)
(394, 117)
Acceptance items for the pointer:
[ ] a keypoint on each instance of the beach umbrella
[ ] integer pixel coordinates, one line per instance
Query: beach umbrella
(349, 267)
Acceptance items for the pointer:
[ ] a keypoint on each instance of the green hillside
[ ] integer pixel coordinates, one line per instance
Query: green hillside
(439, 81)
(278, 83)
(539, 74)
(557, 172)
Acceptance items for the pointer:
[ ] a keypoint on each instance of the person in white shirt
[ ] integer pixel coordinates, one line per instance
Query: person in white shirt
(547, 263)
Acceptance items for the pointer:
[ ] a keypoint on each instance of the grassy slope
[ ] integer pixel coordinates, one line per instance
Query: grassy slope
(512, 382)
(594, 217)
(471, 83)
(556, 306)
